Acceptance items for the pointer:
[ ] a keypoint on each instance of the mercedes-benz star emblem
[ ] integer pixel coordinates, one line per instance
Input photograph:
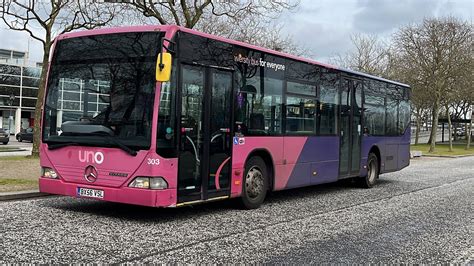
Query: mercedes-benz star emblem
(90, 174)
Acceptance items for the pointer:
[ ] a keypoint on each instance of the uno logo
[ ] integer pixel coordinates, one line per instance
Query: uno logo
(91, 157)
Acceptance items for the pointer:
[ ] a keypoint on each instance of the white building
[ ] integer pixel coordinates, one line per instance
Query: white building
(18, 90)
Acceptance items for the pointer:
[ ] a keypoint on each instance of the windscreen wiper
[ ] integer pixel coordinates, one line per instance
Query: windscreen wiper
(122, 146)
(61, 145)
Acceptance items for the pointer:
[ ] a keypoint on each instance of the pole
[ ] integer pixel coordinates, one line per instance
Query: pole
(11, 99)
(442, 134)
(10, 120)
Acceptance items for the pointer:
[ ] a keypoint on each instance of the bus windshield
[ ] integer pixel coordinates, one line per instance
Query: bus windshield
(101, 91)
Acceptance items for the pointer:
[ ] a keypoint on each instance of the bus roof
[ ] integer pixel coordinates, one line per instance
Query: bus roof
(172, 29)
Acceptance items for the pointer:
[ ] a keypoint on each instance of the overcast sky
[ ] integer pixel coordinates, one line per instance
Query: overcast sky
(324, 26)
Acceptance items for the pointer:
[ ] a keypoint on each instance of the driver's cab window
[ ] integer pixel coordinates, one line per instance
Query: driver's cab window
(166, 136)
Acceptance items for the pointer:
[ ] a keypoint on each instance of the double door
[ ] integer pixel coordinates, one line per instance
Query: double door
(350, 127)
(205, 107)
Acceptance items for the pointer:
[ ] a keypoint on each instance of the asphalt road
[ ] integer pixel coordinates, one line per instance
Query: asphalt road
(423, 214)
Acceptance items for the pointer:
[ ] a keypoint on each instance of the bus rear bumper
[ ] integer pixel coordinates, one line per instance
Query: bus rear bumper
(144, 197)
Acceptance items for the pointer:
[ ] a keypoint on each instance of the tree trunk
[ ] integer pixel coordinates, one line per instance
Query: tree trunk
(39, 102)
(434, 127)
(455, 129)
(449, 130)
(431, 129)
(468, 145)
(417, 131)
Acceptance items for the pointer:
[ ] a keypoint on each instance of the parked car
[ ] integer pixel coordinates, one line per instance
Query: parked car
(460, 132)
(4, 136)
(26, 134)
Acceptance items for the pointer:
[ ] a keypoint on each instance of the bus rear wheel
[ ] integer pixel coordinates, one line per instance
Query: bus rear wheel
(255, 183)
(373, 167)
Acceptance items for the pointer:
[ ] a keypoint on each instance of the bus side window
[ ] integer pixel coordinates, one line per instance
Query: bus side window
(260, 107)
(328, 104)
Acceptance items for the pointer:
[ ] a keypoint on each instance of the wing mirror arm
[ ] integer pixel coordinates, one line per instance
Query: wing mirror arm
(161, 65)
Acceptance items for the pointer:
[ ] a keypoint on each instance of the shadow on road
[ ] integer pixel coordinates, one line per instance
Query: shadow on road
(158, 215)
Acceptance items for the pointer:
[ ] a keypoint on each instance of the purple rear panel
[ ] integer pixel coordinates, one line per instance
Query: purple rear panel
(317, 163)
(394, 151)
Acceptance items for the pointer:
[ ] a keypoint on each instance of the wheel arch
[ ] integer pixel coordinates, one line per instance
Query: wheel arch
(268, 159)
(376, 150)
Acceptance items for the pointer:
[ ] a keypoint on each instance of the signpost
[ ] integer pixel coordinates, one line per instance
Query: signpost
(10, 117)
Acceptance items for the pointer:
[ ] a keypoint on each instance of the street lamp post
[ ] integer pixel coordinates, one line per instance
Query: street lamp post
(10, 102)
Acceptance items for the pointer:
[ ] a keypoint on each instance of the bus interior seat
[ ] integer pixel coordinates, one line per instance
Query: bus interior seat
(257, 124)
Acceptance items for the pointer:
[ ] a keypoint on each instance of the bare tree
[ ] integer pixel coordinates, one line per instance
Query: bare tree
(248, 21)
(400, 69)
(265, 34)
(42, 20)
(469, 131)
(369, 55)
(469, 98)
(435, 49)
(189, 13)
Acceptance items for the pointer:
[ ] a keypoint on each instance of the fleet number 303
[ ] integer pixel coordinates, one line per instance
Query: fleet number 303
(153, 161)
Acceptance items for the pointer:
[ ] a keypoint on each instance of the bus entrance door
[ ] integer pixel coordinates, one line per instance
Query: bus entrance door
(205, 133)
(350, 127)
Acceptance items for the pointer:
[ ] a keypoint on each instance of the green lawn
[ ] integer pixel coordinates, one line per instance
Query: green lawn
(17, 184)
(17, 158)
(443, 149)
(18, 173)
(14, 181)
(6, 148)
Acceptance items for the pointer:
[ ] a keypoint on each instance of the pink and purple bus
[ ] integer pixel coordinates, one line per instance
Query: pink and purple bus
(166, 116)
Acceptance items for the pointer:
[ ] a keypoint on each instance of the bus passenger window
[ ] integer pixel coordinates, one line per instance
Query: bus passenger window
(259, 107)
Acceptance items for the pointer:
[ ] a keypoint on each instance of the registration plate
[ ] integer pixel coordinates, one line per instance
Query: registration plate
(91, 193)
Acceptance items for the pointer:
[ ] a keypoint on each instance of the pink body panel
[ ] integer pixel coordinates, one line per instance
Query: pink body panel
(70, 168)
(70, 163)
(152, 198)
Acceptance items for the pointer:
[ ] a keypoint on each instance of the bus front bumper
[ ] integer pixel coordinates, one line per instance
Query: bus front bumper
(136, 196)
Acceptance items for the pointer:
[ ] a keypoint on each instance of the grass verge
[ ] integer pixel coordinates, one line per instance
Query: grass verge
(18, 173)
(15, 184)
(6, 148)
(17, 158)
(443, 149)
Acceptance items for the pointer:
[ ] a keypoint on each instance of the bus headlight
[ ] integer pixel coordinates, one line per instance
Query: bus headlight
(48, 173)
(158, 183)
(149, 183)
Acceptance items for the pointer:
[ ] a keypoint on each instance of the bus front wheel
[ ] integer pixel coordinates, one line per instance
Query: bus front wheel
(370, 179)
(255, 183)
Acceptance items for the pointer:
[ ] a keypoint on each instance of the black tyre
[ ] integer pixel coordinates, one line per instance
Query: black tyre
(20, 139)
(373, 170)
(5, 143)
(255, 183)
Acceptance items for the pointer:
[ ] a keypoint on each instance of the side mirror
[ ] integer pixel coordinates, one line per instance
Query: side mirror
(163, 67)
